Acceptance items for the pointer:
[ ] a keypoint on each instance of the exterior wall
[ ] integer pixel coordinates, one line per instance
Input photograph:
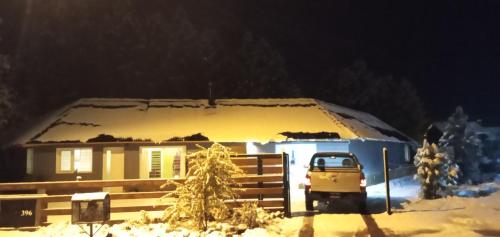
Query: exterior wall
(44, 164)
(131, 159)
(370, 156)
(368, 152)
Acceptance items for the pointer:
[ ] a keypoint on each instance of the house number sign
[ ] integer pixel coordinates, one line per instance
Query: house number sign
(17, 213)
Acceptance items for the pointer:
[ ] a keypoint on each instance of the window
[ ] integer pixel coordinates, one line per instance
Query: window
(162, 162)
(407, 153)
(155, 168)
(83, 160)
(322, 162)
(29, 161)
(69, 160)
(66, 161)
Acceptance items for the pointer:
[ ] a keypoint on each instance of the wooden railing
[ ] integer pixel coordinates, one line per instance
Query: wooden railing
(266, 181)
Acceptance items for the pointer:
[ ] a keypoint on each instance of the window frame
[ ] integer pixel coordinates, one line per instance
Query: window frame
(72, 160)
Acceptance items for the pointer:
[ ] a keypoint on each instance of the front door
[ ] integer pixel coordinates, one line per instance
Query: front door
(113, 166)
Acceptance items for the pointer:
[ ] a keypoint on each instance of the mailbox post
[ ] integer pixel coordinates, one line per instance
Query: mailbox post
(90, 209)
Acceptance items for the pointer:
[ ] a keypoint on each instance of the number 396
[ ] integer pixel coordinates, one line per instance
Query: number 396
(26, 213)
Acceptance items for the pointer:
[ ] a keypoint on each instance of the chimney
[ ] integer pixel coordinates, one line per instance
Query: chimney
(211, 98)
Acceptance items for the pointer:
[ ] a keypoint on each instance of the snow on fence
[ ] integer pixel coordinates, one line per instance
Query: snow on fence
(266, 181)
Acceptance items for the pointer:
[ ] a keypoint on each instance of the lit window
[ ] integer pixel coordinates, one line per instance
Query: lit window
(74, 159)
(407, 153)
(29, 161)
(83, 160)
(65, 161)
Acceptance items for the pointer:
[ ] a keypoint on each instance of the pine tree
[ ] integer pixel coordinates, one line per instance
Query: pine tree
(462, 147)
(5, 92)
(263, 71)
(379, 95)
(209, 183)
(434, 170)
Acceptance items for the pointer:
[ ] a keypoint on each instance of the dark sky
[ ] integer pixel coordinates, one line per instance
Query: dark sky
(449, 49)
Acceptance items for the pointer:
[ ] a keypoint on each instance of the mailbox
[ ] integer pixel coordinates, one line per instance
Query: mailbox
(90, 208)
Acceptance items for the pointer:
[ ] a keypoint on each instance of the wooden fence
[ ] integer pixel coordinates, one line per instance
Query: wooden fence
(266, 181)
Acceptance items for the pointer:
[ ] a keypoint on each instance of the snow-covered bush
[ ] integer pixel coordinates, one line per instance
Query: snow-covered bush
(434, 170)
(253, 216)
(247, 214)
(143, 219)
(461, 147)
(209, 183)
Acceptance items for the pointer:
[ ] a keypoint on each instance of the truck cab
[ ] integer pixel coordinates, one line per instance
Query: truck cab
(332, 176)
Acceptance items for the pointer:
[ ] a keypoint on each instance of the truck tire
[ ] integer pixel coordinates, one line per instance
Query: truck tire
(309, 203)
(362, 204)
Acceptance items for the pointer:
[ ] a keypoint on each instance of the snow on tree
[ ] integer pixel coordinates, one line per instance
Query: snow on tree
(209, 183)
(434, 170)
(462, 147)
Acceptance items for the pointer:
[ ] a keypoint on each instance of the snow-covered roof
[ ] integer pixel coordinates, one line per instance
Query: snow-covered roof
(230, 120)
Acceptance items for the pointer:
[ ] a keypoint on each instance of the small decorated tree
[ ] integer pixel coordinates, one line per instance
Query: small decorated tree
(209, 183)
(434, 170)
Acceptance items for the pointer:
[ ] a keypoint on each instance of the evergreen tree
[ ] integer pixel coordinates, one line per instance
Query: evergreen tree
(462, 147)
(209, 182)
(360, 88)
(263, 73)
(435, 171)
(6, 107)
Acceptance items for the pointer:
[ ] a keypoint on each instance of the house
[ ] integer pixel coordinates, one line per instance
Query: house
(97, 138)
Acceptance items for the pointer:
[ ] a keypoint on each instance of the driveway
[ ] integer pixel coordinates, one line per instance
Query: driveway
(340, 219)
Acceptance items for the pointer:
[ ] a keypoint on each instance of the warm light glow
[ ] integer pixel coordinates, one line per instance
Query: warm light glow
(108, 162)
(65, 160)
(29, 161)
(362, 182)
(83, 160)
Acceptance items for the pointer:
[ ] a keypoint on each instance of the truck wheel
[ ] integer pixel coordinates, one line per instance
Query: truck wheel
(309, 204)
(362, 204)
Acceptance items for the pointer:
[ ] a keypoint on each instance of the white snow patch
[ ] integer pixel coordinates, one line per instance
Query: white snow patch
(404, 187)
(450, 216)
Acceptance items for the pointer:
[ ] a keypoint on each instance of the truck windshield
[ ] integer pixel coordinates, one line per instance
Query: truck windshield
(324, 162)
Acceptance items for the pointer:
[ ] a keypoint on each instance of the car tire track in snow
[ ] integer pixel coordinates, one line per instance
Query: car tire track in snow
(307, 229)
(372, 226)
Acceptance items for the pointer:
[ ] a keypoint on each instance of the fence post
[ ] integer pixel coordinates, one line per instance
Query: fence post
(386, 178)
(260, 170)
(40, 216)
(286, 186)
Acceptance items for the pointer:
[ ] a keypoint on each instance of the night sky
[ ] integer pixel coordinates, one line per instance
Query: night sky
(450, 50)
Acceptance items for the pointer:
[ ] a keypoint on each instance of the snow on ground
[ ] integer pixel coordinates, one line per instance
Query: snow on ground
(476, 215)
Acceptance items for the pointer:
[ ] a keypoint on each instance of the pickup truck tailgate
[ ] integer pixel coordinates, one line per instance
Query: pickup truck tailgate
(338, 180)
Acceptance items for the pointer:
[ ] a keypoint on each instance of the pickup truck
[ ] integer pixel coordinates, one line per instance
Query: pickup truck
(332, 176)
